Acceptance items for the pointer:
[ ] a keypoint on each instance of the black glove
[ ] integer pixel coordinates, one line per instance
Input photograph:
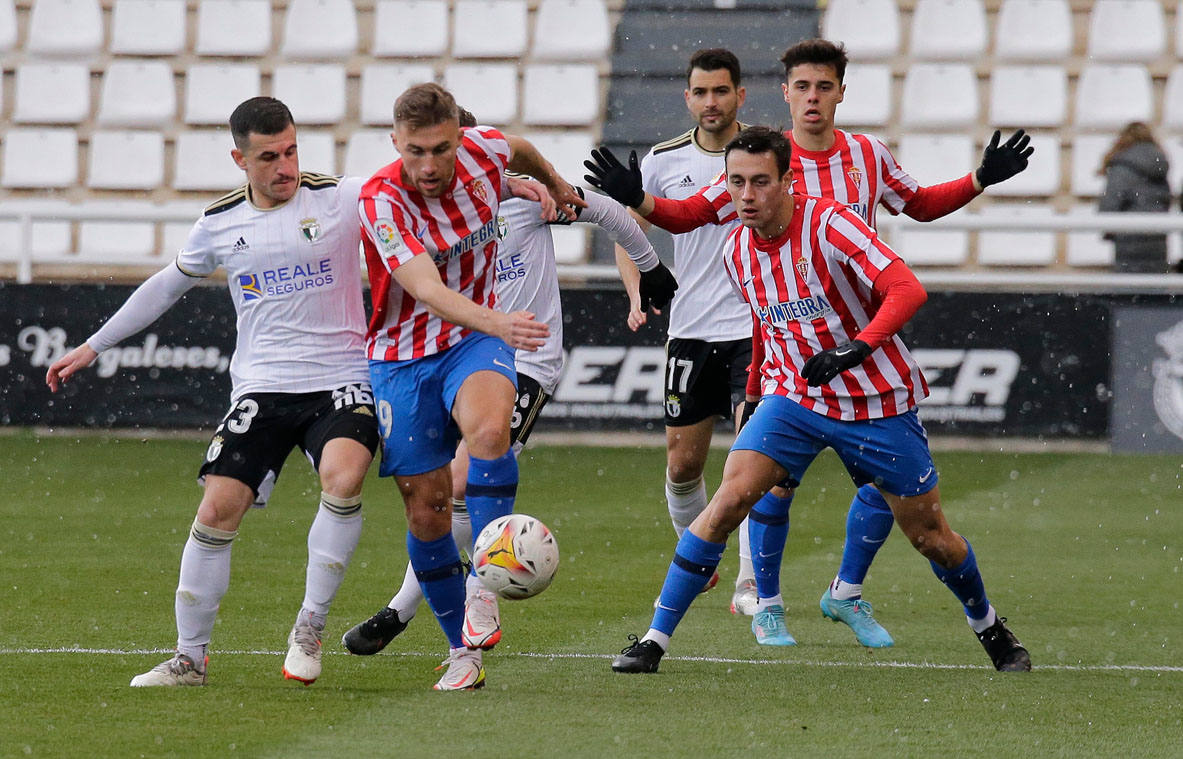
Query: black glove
(612, 177)
(822, 367)
(1001, 162)
(657, 287)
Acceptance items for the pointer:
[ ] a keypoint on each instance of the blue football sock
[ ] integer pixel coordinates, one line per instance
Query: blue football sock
(867, 525)
(490, 490)
(768, 528)
(695, 561)
(441, 576)
(966, 583)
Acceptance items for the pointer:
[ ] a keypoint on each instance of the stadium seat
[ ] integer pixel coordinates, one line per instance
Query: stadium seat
(933, 22)
(319, 30)
(174, 235)
(936, 158)
(1087, 152)
(932, 247)
(382, 83)
(116, 242)
(7, 25)
(1126, 30)
(642, 114)
(65, 27)
(489, 28)
(1033, 30)
(566, 149)
(572, 30)
(51, 93)
(1109, 96)
(318, 151)
(420, 28)
(562, 94)
(203, 162)
(869, 98)
(1172, 109)
(40, 158)
(126, 160)
(147, 27)
(315, 93)
(367, 151)
(1042, 175)
(214, 90)
(1016, 248)
(138, 93)
(233, 27)
(1173, 146)
(871, 27)
(1028, 96)
(489, 90)
(1087, 248)
(570, 243)
(940, 95)
(1179, 35)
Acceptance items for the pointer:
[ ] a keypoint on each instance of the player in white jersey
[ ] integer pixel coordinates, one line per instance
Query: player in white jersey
(830, 298)
(289, 244)
(859, 171)
(526, 280)
(710, 330)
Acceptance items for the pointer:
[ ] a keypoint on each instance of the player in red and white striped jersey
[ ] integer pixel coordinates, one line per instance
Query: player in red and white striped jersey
(830, 297)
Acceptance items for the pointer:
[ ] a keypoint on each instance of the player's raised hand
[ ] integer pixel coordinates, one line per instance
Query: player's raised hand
(822, 367)
(621, 183)
(522, 332)
(1001, 162)
(657, 288)
(568, 198)
(62, 369)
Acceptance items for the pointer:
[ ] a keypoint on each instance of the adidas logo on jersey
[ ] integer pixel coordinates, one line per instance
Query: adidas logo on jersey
(240, 245)
(686, 182)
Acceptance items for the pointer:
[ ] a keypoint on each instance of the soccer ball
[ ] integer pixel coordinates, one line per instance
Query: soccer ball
(515, 556)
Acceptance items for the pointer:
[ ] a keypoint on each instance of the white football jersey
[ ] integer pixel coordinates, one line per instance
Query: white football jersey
(705, 307)
(294, 274)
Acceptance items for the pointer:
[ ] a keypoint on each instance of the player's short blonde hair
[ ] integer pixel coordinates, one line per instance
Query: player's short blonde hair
(424, 105)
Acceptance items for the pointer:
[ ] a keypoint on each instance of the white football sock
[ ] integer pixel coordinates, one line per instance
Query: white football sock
(685, 501)
(658, 637)
(406, 601)
(746, 572)
(461, 526)
(979, 625)
(763, 603)
(845, 591)
(204, 578)
(331, 542)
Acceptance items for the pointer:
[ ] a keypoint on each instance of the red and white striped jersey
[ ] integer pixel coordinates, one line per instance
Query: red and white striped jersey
(811, 291)
(458, 230)
(858, 170)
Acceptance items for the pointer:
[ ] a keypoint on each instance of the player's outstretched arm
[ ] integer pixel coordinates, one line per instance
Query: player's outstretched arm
(62, 369)
(421, 279)
(525, 159)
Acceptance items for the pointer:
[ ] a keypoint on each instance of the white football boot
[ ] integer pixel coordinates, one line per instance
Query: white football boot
(465, 670)
(179, 670)
(303, 659)
(482, 620)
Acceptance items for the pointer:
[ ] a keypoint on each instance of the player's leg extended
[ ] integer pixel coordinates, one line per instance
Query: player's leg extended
(868, 523)
(768, 530)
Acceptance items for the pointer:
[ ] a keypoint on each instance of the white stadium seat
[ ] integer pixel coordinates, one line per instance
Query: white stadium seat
(872, 27)
(1087, 152)
(943, 95)
(174, 235)
(1042, 175)
(40, 158)
(367, 151)
(932, 247)
(419, 28)
(317, 150)
(869, 98)
(65, 27)
(1111, 96)
(572, 30)
(1028, 96)
(570, 243)
(1016, 248)
(1087, 248)
(51, 93)
(7, 25)
(566, 149)
(489, 28)
(315, 93)
(1172, 109)
(935, 158)
(203, 161)
(233, 27)
(1126, 30)
(563, 94)
(147, 27)
(933, 35)
(126, 160)
(1033, 30)
(138, 93)
(1179, 30)
(214, 90)
(489, 90)
(1174, 149)
(382, 83)
(319, 29)
(116, 242)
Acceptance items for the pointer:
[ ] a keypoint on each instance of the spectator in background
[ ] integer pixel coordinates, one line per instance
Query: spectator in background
(1135, 170)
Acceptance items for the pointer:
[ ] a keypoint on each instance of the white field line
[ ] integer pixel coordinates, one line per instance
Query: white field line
(708, 659)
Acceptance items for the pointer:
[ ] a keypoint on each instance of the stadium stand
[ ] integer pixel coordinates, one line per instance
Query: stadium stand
(422, 25)
(1033, 30)
(213, 89)
(240, 28)
(137, 93)
(870, 26)
(932, 22)
(147, 27)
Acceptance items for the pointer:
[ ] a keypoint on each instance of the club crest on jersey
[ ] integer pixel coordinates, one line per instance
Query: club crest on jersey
(673, 406)
(856, 175)
(478, 190)
(310, 228)
(802, 267)
(249, 283)
(388, 236)
(215, 448)
(502, 227)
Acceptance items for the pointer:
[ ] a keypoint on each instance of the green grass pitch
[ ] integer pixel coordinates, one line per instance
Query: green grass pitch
(1083, 553)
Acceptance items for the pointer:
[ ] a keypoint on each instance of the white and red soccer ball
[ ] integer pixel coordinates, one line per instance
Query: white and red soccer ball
(515, 556)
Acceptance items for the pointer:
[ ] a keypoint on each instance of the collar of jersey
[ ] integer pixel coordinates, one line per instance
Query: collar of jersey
(817, 155)
(250, 199)
(698, 145)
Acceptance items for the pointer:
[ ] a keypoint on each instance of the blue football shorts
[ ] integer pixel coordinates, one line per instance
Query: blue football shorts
(890, 453)
(414, 401)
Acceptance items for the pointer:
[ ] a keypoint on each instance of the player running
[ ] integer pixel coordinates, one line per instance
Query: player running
(829, 297)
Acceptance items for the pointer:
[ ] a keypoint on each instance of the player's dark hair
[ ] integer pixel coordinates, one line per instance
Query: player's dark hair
(759, 139)
(819, 52)
(261, 115)
(466, 117)
(424, 105)
(713, 59)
